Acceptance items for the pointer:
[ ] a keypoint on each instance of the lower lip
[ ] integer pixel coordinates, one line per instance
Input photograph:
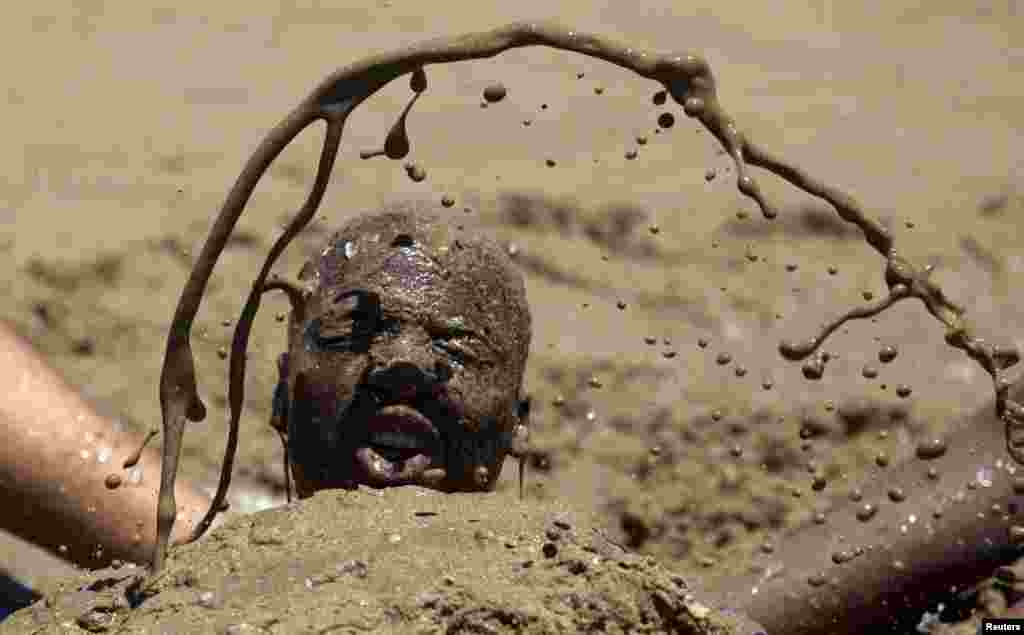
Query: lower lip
(414, 470)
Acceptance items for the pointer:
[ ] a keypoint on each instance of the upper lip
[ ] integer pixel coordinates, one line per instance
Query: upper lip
(401, 425)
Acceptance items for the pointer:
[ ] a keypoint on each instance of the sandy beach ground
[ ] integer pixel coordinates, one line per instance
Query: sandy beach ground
(126, 125)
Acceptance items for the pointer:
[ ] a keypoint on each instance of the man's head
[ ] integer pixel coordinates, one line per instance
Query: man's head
(406, 364)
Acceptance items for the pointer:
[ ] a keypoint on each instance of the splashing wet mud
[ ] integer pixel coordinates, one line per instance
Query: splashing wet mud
(695, 501)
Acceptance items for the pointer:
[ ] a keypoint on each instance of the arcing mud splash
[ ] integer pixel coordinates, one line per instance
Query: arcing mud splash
(690, 82)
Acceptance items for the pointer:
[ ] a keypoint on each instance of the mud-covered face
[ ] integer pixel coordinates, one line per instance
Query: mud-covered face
(407, 363)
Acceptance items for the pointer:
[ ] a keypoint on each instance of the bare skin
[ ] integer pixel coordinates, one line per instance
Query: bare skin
(406, 359)
(62, 485)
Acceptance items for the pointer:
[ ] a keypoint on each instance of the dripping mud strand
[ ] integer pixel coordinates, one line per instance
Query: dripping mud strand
(690, 82)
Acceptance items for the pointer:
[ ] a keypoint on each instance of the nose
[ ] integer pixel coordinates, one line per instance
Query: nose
(403, 381)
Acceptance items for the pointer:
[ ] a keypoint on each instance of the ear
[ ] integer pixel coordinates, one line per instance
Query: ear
(520, 446)
(279, 418)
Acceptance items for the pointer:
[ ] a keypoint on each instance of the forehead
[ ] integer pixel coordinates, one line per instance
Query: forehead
(423, 264)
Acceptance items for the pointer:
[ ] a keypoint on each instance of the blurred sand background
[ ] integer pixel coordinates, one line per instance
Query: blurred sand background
(127, 124)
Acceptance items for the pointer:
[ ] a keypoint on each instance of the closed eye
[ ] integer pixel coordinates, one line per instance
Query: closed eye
(319, 338)
(355, 331)
(455, 350)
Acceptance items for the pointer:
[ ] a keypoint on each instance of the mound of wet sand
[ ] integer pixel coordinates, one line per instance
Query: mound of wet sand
(401, 560)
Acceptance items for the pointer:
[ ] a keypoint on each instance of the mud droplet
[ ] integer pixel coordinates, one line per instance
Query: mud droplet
(550, 163)
(814, 368)
(447, 200)
(740, 371)
(709, 175)
(856, 495)
(549, 549)
(702, 342)
(887, 354)
(869, 371)
(897, 495)
(418, 80)
(222, 353)
(882, 459)
(716, 415)
(833, 270)
(817, 580)
(598, 90)
(650, 340)
(659, 98)
(666, 120)
(495, 92)
(1017, 535)
(113, 481)
(791, 267)
(594, 382)
(723, 358)
(842, 557)
(903, 390)
(631, 154)
(931, 448)
(819, 483)
(415, 171)
(866, 512)
(641, 140)
(867, 295)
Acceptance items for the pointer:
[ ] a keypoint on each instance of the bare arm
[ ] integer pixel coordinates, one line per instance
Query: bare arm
(62, 485)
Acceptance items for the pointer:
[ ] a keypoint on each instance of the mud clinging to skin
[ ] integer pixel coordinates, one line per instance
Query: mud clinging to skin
(406, 364)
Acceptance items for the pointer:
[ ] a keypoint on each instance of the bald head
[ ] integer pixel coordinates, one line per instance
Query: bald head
(406, 364)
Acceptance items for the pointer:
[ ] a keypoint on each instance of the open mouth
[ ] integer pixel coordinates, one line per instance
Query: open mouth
(402, 447)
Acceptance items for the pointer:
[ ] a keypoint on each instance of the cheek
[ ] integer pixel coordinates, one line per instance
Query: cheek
(488, 394)
(325, 377)
(321, 391)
